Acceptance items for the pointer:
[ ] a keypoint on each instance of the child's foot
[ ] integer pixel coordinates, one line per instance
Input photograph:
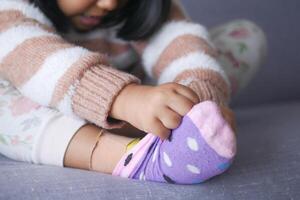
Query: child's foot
(203, 146)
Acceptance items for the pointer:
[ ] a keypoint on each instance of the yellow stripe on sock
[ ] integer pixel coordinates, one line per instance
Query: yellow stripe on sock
(132, 143)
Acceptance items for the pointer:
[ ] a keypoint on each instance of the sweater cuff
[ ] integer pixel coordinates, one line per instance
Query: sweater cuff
(96, 92)
(207, 84)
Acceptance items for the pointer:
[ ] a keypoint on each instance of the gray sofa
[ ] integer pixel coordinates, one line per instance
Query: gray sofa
(268, 117)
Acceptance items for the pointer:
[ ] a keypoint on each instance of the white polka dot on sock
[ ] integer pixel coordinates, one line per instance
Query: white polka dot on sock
(193, 169)
(154, 154)
(192, 144)
(167, 159)
(141, 175)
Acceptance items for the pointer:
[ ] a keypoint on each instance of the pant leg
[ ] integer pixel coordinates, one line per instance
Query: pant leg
(30, 132)
(242, 47)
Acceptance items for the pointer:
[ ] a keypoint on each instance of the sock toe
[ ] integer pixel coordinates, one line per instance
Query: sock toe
(215, 130)
(202, 147)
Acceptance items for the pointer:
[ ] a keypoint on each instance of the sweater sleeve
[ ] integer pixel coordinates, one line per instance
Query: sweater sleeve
(181, 51)
(54, 73)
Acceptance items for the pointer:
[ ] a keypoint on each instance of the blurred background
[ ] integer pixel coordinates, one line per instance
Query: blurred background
(279, 79)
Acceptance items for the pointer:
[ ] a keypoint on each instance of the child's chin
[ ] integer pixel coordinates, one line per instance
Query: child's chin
(81, 28)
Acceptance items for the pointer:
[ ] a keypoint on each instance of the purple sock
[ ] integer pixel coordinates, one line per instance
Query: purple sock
(202, 147)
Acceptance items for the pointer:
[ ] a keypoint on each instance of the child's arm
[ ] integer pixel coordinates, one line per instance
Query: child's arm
(52, 72)
(181, 51)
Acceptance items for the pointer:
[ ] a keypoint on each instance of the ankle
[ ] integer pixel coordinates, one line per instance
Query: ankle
(108, 152)
(80, 148)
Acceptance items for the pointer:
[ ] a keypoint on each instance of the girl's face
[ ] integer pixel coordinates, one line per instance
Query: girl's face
(86, 14)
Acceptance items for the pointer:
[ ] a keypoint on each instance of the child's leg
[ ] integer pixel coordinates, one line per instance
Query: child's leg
(97, 149)
(242, 49)
(203, 146)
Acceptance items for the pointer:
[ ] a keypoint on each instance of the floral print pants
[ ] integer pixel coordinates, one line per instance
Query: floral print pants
(33, 133)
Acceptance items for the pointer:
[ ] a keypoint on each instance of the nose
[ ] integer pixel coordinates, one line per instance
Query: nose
(107, 4)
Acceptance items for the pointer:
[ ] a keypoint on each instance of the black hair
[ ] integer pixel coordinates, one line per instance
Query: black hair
(138, 19)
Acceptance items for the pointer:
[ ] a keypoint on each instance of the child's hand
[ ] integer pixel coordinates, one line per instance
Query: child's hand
(154, 109)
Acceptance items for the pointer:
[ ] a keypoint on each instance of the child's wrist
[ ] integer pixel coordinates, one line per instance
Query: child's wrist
(118, 108)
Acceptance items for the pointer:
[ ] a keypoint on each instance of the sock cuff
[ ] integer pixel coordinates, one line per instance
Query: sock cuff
(129, 162)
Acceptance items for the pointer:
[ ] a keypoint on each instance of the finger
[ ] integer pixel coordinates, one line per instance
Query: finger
(169, 118)
(159, 129)
(188, 93)
(180, 104)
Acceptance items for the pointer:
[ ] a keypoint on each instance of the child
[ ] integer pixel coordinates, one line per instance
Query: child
(71, 92)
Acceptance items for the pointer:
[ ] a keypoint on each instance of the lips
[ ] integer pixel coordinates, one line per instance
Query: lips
(90, 20)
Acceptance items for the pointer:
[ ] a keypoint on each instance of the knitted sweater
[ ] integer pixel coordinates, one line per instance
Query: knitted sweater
(81, 74)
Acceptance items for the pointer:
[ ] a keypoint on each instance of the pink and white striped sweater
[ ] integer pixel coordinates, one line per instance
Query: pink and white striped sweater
(81, 74)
